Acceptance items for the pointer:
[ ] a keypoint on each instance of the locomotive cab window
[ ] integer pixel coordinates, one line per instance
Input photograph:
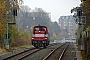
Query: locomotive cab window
(42, 29)
(39, 29)
(36, 29)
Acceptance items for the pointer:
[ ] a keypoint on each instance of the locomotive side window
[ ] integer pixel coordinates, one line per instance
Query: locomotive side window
(45, 29)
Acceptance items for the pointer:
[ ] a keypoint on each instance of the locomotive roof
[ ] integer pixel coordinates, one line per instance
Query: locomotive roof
(40, 26)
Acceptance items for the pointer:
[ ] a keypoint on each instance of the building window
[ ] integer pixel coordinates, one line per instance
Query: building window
(71, 29)
(65, 24)
(71, 26)
(66, 17)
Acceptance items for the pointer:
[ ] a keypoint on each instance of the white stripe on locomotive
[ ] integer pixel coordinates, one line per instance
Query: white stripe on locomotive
(40, 35)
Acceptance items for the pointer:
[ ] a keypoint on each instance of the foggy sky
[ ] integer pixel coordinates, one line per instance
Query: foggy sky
(56, 7)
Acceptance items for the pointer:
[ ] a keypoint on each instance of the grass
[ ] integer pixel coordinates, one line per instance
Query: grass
(3, 51)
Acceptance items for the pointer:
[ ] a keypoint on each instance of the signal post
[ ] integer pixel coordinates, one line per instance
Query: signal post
(14, 12)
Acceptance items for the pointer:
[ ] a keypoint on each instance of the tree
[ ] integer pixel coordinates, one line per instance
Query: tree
(86, 11)
(2, 21)
(6, 6)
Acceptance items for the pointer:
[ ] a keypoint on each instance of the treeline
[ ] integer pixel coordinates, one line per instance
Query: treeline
(28, 18)
(21, 32)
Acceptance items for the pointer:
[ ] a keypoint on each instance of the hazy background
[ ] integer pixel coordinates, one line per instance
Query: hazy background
(57, 8)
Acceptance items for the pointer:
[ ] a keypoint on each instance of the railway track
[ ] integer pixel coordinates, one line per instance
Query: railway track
(70, 53)
(19, 55)
(57, 53)
(24, 54)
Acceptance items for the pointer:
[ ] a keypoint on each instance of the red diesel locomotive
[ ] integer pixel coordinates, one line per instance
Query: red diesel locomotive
(40, 37)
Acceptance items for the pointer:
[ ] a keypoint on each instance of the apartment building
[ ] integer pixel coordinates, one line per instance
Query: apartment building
(68, 26)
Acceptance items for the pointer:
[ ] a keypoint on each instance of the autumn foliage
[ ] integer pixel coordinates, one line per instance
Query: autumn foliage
(6, 7)
(86, 11)
(2, 20)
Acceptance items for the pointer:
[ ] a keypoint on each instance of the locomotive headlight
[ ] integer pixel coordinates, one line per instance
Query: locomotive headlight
(32, 38)
(45, 38)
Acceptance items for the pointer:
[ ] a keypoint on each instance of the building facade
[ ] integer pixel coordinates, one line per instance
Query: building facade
(68, 26)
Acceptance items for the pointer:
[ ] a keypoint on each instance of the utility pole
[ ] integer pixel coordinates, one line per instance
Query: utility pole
(8, 23)
(6, 40)
(81, 22)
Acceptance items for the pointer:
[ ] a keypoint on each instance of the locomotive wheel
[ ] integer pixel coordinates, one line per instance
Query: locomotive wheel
(44, 46)
(35, 45)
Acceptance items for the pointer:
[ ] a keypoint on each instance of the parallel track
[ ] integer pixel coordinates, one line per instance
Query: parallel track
(60, 51)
